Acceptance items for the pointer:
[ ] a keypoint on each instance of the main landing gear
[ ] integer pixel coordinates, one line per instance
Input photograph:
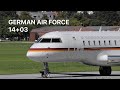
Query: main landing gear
(105, 70)
(45, 71)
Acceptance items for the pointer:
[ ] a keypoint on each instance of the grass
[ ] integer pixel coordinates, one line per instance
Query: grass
(13, 60)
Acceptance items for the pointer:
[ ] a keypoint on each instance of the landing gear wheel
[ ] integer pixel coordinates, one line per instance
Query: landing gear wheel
(45, 72)
(105, 70)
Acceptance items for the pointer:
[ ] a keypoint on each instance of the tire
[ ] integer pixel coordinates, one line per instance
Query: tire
(105, 70)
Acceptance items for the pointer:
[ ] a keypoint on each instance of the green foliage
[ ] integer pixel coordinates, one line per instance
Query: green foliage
(78, 16)
(65, 14)
(4, 14)
(4, 17)
(95, 22)
(45, 17)
(61, 15)
(25, 16)
(74, 22)
(108, 18)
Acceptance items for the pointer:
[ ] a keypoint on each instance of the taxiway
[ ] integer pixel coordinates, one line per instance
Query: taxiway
(67, 75)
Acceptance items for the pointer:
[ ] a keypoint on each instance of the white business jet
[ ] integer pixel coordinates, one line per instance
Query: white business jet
(98, 48)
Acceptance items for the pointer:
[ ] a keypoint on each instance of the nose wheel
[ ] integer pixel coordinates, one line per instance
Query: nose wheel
(105, 70)
(45, 71)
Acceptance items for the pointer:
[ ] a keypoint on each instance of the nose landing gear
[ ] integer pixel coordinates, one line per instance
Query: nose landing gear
(45, 71)
(105, 70)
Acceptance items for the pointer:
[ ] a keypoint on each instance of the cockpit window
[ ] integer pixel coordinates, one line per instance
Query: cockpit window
(46, 40)
(56, 40)
(49, 40)
(39, 39)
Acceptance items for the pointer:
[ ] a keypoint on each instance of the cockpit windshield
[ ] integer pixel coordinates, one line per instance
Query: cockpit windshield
(49, 40)
(56, 40)
(44, 40)
(39, 39)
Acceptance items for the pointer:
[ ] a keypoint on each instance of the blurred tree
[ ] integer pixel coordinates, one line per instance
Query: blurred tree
(109, 18)
(4, 17)
(74, 22)
(25, 16)
(45, 17)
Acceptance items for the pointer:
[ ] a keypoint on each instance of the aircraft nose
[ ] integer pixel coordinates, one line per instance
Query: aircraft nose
(29, 55)
(32, 56)
(36, 56)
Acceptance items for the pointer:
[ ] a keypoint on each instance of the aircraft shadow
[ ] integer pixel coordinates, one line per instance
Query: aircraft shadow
(67, 75)
(73, 75)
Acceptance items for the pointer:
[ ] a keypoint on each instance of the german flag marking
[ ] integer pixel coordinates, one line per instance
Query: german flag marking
(70, 49)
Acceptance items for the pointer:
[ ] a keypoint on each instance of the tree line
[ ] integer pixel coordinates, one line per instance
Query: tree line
(97, 18)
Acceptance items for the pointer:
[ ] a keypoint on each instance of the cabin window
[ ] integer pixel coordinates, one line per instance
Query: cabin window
(109, 42)
(45, 40)
(115, 42)
(89, 43)
(104, 42)
(99, 42)
(84, 43)
(56, 40)
(94, 42)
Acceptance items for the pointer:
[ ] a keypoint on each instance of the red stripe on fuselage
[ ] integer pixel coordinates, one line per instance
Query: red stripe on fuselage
(72, 49)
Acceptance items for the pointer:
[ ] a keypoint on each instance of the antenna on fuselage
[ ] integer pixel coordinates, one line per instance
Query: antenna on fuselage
(80, 29)
(100, 29)
(119, 29)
